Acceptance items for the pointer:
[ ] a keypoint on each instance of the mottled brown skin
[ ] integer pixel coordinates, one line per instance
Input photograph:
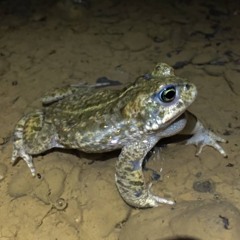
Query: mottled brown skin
(133, 119)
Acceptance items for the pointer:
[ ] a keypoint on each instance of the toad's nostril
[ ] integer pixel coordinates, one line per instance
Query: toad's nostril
(188, 86)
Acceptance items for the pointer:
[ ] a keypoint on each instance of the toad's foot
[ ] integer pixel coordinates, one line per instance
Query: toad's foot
(20, 153)
(32, 136)
(203, 137)
(18, 146)
(130, 180)
(143, 198)
(154, 200)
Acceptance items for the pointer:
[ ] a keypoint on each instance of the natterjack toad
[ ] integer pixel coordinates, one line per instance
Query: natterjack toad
(133, 119)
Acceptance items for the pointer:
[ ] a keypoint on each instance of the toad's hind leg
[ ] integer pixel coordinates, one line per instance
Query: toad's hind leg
(31, 137)
(130, 180)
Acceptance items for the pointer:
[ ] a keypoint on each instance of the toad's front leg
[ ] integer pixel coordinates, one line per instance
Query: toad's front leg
(130, 180)
(201, 136)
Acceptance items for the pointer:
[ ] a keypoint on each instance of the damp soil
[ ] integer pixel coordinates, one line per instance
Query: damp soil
(49, 44)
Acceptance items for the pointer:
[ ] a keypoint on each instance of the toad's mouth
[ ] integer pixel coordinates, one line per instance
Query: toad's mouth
(173, 119)
(169, 119)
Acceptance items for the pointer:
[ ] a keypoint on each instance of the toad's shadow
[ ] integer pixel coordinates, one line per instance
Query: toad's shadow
(92, 157)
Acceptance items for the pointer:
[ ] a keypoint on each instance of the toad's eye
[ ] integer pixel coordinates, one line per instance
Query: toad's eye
(167, 94)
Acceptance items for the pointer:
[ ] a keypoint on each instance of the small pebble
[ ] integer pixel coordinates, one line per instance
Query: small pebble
(204, 186)
(60, 204)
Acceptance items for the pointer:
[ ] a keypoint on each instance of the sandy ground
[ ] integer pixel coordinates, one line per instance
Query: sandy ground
(44, 45)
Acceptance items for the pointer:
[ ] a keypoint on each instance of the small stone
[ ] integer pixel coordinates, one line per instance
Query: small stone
(204, 186)
(60, 204)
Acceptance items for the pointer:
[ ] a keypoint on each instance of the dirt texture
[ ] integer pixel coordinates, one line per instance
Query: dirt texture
(48, 44)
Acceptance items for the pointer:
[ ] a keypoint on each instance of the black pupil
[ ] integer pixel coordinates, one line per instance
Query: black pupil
(168, 94)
